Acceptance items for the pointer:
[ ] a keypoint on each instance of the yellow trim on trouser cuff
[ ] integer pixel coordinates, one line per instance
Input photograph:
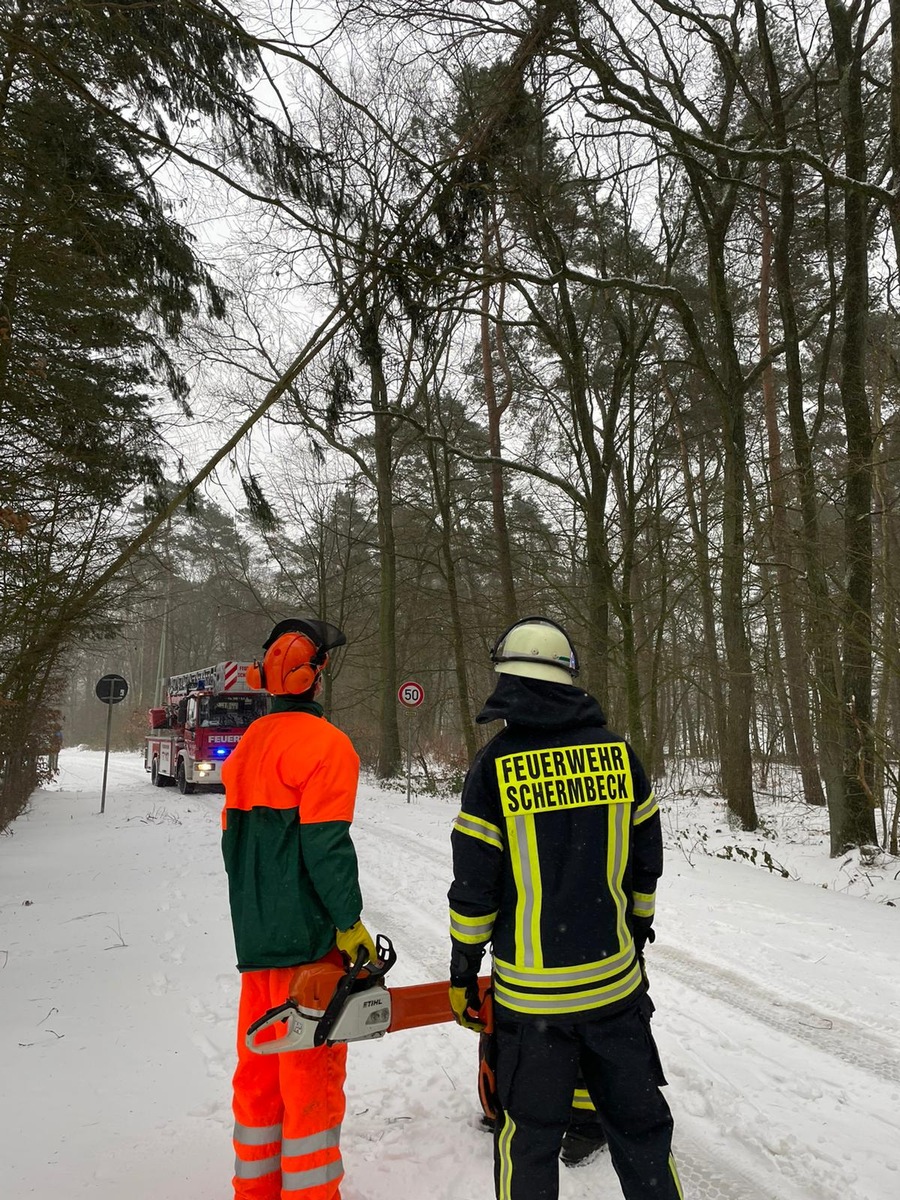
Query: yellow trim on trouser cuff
(674, 1171)
(582, 1100)
(504, 1154)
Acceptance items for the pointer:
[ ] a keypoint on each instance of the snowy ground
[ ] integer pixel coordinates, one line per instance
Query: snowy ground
(778, 1006)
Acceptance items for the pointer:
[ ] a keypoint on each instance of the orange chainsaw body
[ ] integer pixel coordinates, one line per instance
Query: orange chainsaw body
(328, 1004)
(412, 1006)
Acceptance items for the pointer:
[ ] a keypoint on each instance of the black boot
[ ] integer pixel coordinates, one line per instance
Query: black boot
(581, 1142)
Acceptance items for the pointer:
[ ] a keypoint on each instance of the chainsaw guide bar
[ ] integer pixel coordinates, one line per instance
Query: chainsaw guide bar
(327, 1005)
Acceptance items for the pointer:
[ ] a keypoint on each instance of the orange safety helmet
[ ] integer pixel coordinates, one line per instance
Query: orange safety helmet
(296, 654)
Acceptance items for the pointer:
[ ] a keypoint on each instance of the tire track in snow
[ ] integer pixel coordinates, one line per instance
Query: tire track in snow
(395, 903)
(834, 1035)
(704, 1178)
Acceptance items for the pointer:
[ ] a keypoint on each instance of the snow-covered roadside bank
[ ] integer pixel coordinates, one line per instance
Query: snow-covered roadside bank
(778, 1012)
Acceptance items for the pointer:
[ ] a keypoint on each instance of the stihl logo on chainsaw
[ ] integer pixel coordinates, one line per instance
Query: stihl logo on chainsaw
(326, 1005)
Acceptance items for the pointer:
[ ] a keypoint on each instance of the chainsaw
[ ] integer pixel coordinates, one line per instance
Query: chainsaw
(327, 1004)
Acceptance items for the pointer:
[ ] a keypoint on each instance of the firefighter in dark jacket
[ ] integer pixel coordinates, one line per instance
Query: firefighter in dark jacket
(556, 855)
(290, 790)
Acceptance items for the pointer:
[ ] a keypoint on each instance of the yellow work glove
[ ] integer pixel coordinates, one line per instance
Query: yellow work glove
(350, 940)
(466, 1004)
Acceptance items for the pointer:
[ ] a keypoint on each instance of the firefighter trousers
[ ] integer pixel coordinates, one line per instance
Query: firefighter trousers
(288, 1108)
(537, 1068)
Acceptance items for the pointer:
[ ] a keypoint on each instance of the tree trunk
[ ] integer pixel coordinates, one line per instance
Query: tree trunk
(781, 545)
(705, 586)
(438, 460)
(495, 410)
(821, 615)
(857, 820)
(389, 754)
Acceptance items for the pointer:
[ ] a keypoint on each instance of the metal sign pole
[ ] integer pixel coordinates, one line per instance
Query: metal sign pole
(410, 694)
(409, 722)
(111, 689)
(109, 709)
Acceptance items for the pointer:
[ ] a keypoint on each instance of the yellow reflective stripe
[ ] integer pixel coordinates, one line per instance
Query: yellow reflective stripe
(537, 891)
(644, 904)
(472, 930)
(582, 1100)
(462, 920)
(619, 834)
(470, 939)
(477, 828)
(554, 977)
(567, 1002)
(674, 1172)
(526, 872)
(504, 1154)
(646, 809)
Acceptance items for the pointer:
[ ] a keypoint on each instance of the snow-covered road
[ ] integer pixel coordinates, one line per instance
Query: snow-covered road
(778, 1015)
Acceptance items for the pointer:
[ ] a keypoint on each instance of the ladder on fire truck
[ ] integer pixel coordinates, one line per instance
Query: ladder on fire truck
(221, 677)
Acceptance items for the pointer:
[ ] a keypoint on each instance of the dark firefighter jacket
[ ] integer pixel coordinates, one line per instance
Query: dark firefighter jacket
(290, 791)
(556, 854)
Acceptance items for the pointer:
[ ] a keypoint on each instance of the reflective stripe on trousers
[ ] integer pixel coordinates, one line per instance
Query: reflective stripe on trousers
(288, 1108)
(537, 1070)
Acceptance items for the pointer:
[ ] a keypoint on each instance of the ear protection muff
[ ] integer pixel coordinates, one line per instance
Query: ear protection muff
(300, 679)
(284, 678)
(256, 675)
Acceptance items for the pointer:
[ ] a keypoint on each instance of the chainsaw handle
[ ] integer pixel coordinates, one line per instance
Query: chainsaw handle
(336, 1003)
(385, 956)
(274, 1016)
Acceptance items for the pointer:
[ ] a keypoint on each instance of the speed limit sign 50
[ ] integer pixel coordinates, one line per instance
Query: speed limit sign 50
(411, 694)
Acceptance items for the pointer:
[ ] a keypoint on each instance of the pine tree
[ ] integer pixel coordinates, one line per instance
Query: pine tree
(97, 280)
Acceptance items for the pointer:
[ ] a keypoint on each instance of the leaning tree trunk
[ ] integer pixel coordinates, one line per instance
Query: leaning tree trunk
(496, 407)
(389, 754)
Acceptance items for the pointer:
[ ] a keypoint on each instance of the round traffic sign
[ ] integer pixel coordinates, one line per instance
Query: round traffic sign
(411, 694)
(111, 689)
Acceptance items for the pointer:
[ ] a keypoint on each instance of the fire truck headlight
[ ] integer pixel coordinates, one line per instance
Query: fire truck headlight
(203, 766)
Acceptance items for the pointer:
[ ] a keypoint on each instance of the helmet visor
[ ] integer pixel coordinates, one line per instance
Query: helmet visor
(322, 634)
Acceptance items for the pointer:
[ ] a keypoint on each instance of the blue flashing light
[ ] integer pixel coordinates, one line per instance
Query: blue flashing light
(221, 751)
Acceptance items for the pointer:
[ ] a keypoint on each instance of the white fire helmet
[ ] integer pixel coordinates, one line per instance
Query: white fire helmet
(537, 648)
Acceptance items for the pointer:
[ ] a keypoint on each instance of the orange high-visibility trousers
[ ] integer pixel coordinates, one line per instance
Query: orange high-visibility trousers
(288, 1108)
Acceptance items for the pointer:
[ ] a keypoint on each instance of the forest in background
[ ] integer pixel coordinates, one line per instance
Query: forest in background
(480, 310)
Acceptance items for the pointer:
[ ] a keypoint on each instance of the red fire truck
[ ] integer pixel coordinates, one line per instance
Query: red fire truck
(201, 722)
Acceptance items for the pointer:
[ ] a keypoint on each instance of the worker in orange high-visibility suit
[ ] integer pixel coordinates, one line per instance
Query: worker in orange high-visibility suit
(290, 789)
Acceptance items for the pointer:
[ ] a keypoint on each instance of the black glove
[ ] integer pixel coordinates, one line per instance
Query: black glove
(464, 999)
(465, 964)
(641, 937)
